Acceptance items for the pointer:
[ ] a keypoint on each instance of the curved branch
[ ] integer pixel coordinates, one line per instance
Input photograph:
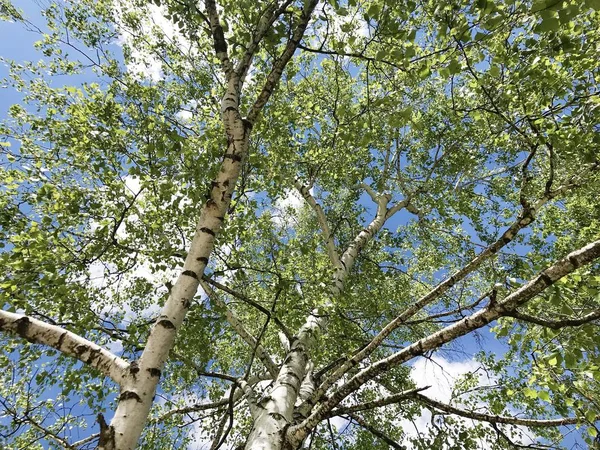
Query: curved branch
(322, 219)
(491, 418)
(556, 324)
(66, 342)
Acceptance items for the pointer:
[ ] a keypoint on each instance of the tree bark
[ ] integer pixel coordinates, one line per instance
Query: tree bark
(139, 384)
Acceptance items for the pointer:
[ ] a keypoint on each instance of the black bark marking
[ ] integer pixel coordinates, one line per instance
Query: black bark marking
(220, 43)
(186, 303)
(154, 372)
(202, 259)
(61, 339)
(190, 273)
(233, 156)
(220, 218)
(207, 231)
(22, 326)
(80, 349)
(546, 279)
(134, 368)
(166, 323)
(293, 375)
(94, 353)
(290, 385)
(573, 260)
(129, 395)
(106, 440)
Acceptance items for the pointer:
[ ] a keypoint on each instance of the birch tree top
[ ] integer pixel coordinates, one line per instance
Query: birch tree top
(246, 224)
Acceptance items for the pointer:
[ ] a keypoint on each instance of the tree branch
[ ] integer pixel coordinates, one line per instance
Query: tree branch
(322, 219)
(491, 418)
(267, 18)
(69, 343)
(556, 324)
(241, 330)
(390, 400)
(375, 432)
(476, 320)
(219, 42)
(524, 219)
(281, 62)
(250, 302)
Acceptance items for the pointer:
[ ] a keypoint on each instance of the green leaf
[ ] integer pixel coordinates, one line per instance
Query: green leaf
(548, 24)
(530, 393)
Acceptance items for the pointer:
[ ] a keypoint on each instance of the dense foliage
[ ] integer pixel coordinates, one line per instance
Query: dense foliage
(429, 157)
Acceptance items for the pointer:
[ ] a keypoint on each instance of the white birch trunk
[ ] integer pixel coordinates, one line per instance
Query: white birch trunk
(139, 384)
(275, 414)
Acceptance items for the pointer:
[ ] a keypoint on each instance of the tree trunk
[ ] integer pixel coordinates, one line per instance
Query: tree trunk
(139, 384)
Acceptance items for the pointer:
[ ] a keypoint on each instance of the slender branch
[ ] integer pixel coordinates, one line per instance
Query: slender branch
(369, 190)
(250, 302)
(69, 343)
(322, 219)
(375, 432)
(241, 330)
(491, 418)
(390, 400)
(213, 405)
(556, 324)
(85, 440)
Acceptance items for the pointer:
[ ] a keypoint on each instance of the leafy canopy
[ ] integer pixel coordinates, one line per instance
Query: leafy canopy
(474, 110)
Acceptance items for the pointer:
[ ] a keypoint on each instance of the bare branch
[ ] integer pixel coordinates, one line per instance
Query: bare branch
(69, 343)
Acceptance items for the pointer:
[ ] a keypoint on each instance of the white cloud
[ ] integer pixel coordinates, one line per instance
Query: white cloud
(152, 27)
(442, 375)
(286, 208)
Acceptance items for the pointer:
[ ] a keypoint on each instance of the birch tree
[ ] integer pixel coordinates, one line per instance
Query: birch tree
(251, 220)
